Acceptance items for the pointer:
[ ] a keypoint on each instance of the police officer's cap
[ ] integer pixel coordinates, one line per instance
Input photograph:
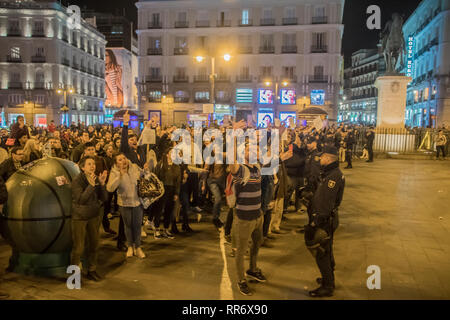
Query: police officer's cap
(310, 139)
(330, 150)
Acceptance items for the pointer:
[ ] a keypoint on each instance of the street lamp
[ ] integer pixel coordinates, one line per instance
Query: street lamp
(199, 58)
(284, 83)
(65, 109)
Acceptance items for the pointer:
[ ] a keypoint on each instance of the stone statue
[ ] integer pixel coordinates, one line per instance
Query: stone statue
(393, 43)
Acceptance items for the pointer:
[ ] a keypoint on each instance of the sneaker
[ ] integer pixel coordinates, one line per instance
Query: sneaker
(94, 276)
(258, 276)
(168, 235)
(186, 228)
(130, 252)
(158, 235)
(266, 243)
(146, 222)
(233, 253)
(143, 233)
(109, 216)
(321, 292)
(197, 209)
(139, 253)
(110, 231)
(151, 224)
(244, 289)
(277, 231)
(199, 217)
(227, 239)
(271, 237)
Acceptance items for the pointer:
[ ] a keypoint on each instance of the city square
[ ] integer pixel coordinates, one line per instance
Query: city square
(224, 150)
(406, 235)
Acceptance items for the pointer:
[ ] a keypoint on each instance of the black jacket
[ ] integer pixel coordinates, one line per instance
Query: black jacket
(86, 199)
(7, 169)
(295, 166)
(312, 170)
(328, 195)
(3, 192)
(138, 156)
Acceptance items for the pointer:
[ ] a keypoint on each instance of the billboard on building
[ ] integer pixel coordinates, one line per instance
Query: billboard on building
(119, 78)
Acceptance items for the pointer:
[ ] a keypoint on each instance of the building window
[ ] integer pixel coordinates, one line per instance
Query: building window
(245, 72)
(289, 72)
(15, 53)
(154, 96)
(202, 96)
(426, 94)
(245, 17)
(182, 16)
(319, 40)
(117, 29)
(38, 26)
(318, 71)
(267, 41)
(156, 19)
(180, 72)
(266, 71)
(40, 52)
(39, 99)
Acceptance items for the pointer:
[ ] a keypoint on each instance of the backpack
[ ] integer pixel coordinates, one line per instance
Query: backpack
(230, 190)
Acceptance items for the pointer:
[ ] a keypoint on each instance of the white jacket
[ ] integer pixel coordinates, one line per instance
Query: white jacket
(126, 185)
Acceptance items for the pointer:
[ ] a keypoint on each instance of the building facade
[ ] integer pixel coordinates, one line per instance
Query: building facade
(427, 37)
(121, 61)
(46, 62)
(283, 56)
(361, 96)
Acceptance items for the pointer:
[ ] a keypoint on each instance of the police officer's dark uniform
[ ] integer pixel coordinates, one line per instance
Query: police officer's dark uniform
(319, 234)
(312, 174)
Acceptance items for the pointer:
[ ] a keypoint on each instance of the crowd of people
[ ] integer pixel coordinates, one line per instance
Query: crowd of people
(113, 160)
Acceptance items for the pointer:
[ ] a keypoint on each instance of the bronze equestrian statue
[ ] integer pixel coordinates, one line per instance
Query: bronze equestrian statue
(393, 43)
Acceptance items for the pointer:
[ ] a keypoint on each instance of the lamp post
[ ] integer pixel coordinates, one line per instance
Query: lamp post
(65, 109)
(283, 83)
(212, 76)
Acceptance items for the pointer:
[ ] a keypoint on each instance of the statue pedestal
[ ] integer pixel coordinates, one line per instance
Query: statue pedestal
(391, 100)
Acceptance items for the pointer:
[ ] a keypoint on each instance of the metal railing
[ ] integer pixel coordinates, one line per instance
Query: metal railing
(267, 49)
(244, 78)
(202, 23)
(319, 20)
(223, 78)
(318, 78)
(289, 21)
(180, 51)
(38, 33)
(319, 49)
(155, 25)
(289, 49)
(11, 58)
(154, 51)
(38, 59)
(201, 78)
(267, 22)
(180, 78)
(15, 85)
(223, 23)
(245, 50)
(246, 23)
(181, 24)
(153, 78)
(14, 33)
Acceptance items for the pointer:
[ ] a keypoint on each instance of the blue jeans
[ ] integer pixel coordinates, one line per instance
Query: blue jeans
(217, 187)
(132, 219)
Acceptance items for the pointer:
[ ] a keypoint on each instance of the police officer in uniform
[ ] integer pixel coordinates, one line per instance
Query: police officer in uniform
(324, 219)
(312, 172)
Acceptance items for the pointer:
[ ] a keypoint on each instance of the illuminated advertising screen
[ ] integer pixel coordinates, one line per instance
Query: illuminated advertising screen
(244, 95)
(318, 97)
(118, 78)
(287, 118)
(287, 96)
(265, 96)
(264, 118)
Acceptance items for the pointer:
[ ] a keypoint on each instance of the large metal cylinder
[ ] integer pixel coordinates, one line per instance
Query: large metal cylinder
(36, 219)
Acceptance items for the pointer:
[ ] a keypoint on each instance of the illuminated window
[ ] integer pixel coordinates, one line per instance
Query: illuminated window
(426, 93)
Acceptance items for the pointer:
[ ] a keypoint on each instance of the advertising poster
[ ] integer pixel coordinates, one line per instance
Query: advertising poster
(288, 119)
(119, 78)
(265, 96)
(318, 97)
(288, 96)
(265, 118)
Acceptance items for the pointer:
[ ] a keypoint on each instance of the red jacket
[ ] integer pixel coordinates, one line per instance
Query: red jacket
(51, 127)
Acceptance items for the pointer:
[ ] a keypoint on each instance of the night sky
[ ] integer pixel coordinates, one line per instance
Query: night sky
(356, 34)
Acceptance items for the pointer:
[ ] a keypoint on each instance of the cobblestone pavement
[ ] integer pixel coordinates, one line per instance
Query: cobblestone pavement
(395, 215)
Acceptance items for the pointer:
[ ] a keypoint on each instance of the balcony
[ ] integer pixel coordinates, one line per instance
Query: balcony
(38, 33)
(181, 99)
(201, 78)
(153, 78)
(246, 23)
(267, 22)
(246, 50)
(154, 51)
(39, 85)
(155, 25)
(180, 51)
(65, 38)
(267, 49)
(290, 78)
(223, 23)
(318, 78)
(82, 68)
(202, 23)
(65, 62)
(15, 85)
(319, 20)
(180, 78)
(201, 100)
(289, 49)
(265, 78)
(14, 33)
(75, 66)
(224, 99)
(181, 24)
(319, 49)
(289, 21)
(74, 42)
(38, 59)
(244, 78)
(10, 58)
(223, 78)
